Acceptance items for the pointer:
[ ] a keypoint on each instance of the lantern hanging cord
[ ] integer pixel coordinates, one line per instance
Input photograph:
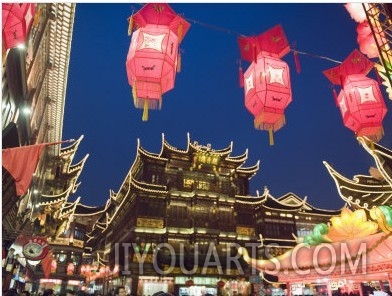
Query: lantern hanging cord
(231, 32)
(316, 56)
(215, 27)
(242, 35)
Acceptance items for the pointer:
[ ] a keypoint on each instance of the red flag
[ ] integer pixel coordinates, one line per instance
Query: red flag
(47, 264)
(21, 163)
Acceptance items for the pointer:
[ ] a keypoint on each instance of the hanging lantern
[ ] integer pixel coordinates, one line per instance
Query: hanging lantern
(221, 284)
(70, 268)
(267, 84)
(356, 11)
(153, 56)
(53, 266)
(367, 42)
(17, 19)
(83, 269)
(360, 101)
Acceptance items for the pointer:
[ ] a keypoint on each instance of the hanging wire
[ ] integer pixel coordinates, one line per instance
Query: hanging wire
(231, 32)
(215, 27)
(316, 56)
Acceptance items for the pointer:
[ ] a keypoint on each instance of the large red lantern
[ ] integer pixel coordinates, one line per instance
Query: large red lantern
(17, 19)
(153, 57)
(360, 101)
(267, 84)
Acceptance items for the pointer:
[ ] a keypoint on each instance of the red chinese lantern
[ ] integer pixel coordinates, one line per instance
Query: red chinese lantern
(221, 284)
(367, 42)
(17, 19)
(53, 266)
(83, 269)
(360, 101)
(267, 84)
(70, 268)
(153, 57)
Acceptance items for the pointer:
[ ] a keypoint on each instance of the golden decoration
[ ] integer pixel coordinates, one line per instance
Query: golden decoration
(351, 225)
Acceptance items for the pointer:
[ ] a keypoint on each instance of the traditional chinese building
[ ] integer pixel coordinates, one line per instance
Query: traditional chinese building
(177, 209)
(372, 190)
(352, 253)
(34, 80)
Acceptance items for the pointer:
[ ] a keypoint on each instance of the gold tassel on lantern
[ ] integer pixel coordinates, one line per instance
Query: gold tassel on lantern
(134, 93)
(145, 110)
(179, 62)
(271, 136)
(179, 33)
(130, 25)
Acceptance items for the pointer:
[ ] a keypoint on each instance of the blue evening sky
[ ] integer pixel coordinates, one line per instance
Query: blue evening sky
(207, 101)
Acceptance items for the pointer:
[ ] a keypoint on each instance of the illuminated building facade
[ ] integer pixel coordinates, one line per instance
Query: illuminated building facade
(34, 80)
(180, 214)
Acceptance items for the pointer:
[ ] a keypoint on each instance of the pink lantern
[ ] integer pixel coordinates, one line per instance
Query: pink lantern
(356, 11)
(70, 268)
(360, 101)
(83, 269)
(267, 84)
(153, 56)
(17, 19)
(53, 266)
(367, 42)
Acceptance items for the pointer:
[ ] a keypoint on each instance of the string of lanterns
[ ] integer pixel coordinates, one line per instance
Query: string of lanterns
(153, 59)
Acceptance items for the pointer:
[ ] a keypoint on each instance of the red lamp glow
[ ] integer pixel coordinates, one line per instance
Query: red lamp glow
(267, 84)
(360, 101)
(153, 56)
(17, 19)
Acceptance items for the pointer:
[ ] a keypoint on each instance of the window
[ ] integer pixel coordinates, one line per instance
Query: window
(79, 233)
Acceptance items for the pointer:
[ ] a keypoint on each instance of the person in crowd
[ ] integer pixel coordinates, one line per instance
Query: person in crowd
(25, 293)
(12, 292)
(48, 292)
(120, 291)
(69, 292)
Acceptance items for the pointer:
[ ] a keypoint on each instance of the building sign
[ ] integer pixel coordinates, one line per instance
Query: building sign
(153, 223)
(36, 248)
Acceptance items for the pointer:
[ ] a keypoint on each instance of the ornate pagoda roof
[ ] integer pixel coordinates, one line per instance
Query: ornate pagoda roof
(249, 200)
(46, 200)
(194, 147)
(367, 191)
(71, 149)
(293, 199)
(272, 203)
(79, 209)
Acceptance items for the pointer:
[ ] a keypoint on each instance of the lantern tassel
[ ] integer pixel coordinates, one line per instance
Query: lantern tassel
(130, 25)
(296, 61)
(271, 136)
(335, 96)
(134, 93)
(179, 33)
(179, 62)
(145, 110)
(241, 76)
